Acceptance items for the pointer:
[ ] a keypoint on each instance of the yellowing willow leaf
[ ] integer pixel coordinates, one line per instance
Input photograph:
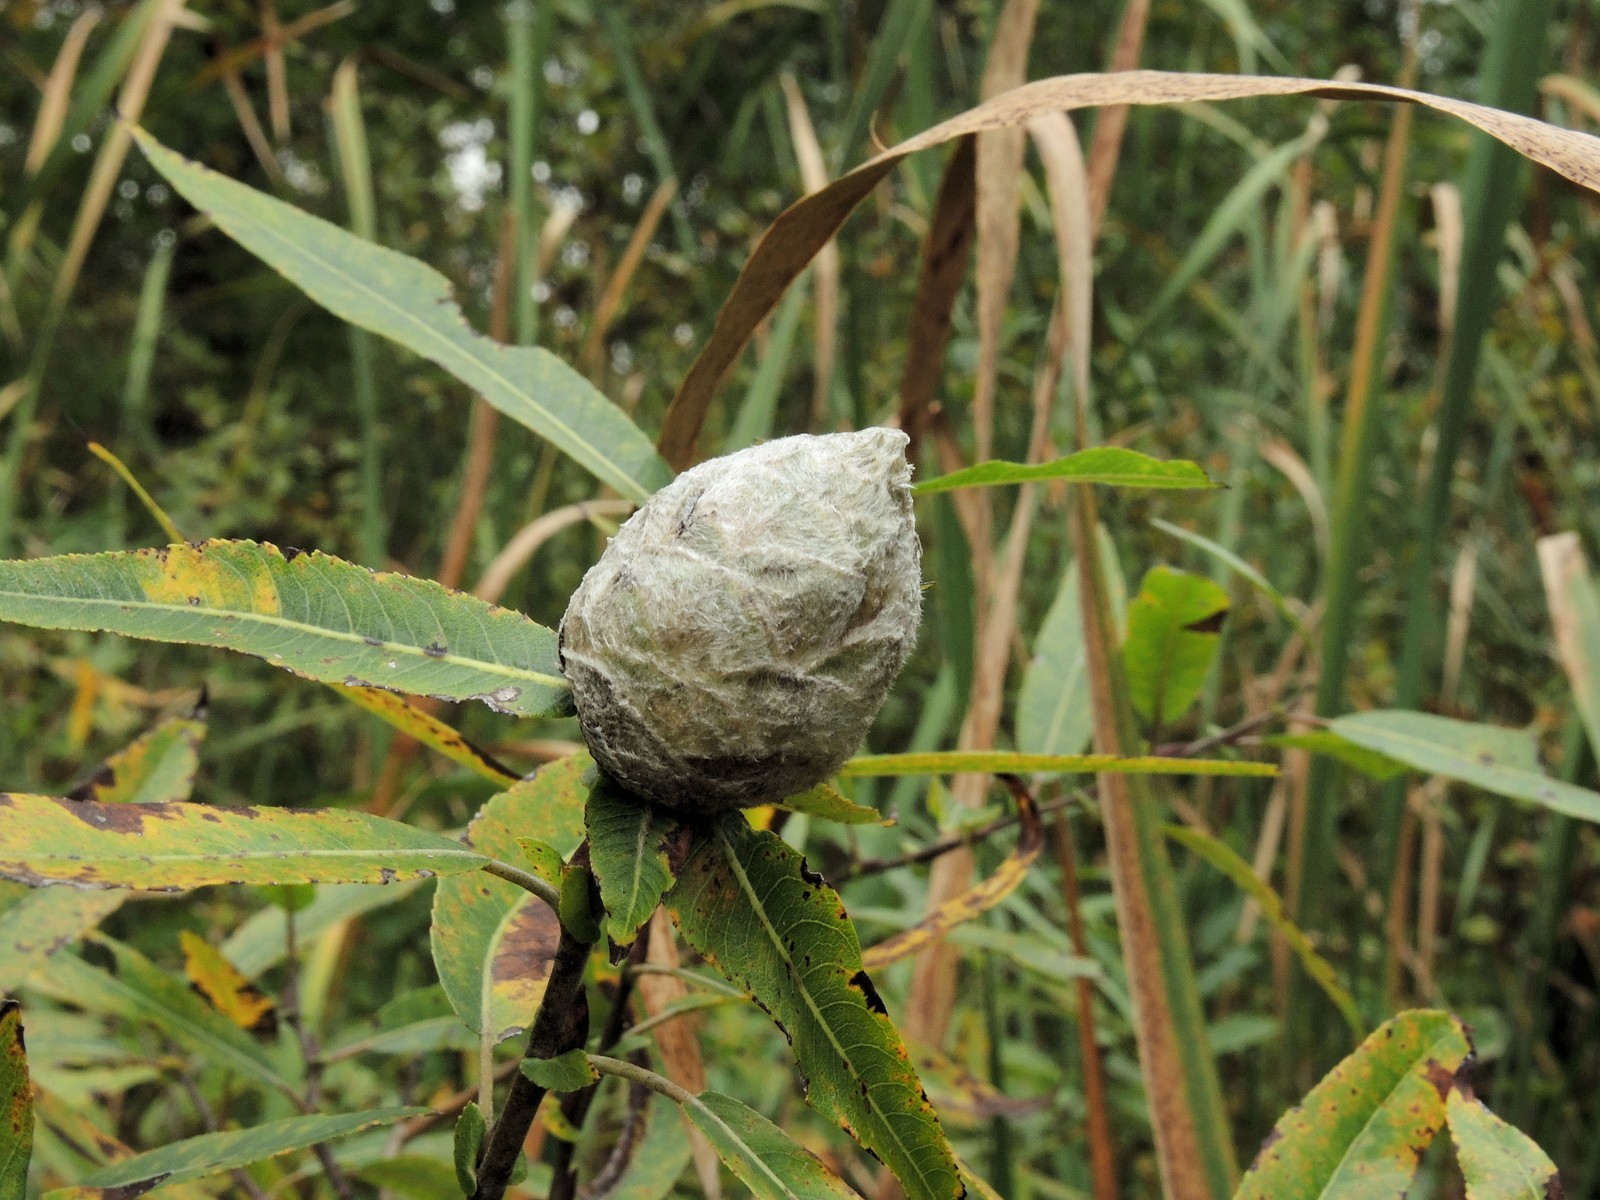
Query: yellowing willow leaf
(212, 1153)
(410, 303)
(1362, 1130)
(158, 767)
(429, 730)
(16, 1105)
(493, 942)
(312, 614)
(169, 847)
(223, 987)
(804, 227)
(1498, 1161)
(1102, 464)
(747, 902)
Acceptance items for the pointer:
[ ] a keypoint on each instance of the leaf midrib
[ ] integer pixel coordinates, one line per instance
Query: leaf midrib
(1423, 1055)
(247, 616)
(805, 993)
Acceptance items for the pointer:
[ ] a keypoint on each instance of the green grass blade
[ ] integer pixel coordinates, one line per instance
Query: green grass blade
(315, 615)
(410, 303)
(1105, 464)
(990, 762)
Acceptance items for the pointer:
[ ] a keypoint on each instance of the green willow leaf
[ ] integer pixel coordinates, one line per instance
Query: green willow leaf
(829, 804)
(170, 847)
(312, 614)
(627, 849)
(1359, 1134)
(1498, 1161)
(761, 1156)
(1173, 626)
(1104, 464)
(747, 902)
(991, 762)
(410, 303)
(16, 1105)
(212, 1153)
(569, 1072)
(493, 942)
(1495, 759)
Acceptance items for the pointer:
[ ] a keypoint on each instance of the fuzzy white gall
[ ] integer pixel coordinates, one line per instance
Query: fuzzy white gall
(740, 633)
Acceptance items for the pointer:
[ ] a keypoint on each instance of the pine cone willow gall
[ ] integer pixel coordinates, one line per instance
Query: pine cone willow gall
(736, 639)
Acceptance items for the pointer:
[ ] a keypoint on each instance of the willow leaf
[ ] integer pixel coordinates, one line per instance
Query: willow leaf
(493, 942)
(1109, 465)
(16, 1105)
(410, 303)
(747, 902)
(312, 614)
(169, 847)
(627, 850)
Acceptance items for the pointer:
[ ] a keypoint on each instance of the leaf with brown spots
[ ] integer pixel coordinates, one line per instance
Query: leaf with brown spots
(1498, 1161)
(1362, 1130)
(312, 614)
(160, 766)
(16, 1105)
(493, 942)
(170, 847)
(429, 730)
(747, 902)
(222, 985)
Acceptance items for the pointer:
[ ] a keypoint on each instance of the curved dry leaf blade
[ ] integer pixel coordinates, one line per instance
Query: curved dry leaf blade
(747, 902)
(169, 847)
(312, 614)
(493, 942)
(158, 767)
(760, 1155)
(410, 303)
(1485, 756)
(211, 1153)
(996, 762)
(429, 730)
(1498, 1161)
(627, 850)
(1362, 1130)
(1110, 465)
(1221, 856)
(802, 229)
(972, 903)
(1173, 626)
(16, 1105)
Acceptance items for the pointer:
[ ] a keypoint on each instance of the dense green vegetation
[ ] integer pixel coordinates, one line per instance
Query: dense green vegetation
(1371, 323)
